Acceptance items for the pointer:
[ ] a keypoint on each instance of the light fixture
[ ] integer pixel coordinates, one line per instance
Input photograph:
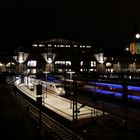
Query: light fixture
(49, 60)
(137, 36)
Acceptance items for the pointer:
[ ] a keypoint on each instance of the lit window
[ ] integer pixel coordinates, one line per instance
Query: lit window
(28, 70)
(61, 45)
(88, 46)
(91, 70)
(31, 63)
(41, 45)
(49, 45)
(68, 63)
(34, 45)
(111, 70)
(108, 64)
(60, 70)
(93, 64)
(82, 46)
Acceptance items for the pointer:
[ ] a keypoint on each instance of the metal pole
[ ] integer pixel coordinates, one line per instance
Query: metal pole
(39, 104)
(71, 94)
(65, 79)
(40, 119)
(125, 99)
(46, 84)
(75, 110)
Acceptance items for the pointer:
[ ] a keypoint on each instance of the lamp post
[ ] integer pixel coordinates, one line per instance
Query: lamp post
(137, 36)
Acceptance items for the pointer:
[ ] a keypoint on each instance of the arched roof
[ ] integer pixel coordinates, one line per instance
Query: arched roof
(58, 41)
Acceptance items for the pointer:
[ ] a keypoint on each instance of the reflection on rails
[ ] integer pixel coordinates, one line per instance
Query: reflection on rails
(133, 92)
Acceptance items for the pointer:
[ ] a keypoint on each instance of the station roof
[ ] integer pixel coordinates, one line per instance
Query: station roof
(57, 41)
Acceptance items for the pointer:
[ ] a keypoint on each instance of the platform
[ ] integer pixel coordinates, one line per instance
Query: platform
(62, 106)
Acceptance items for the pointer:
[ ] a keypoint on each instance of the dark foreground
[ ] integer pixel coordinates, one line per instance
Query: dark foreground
(17, 125)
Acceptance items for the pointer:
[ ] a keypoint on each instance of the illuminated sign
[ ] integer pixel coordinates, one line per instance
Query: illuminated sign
(135, 48)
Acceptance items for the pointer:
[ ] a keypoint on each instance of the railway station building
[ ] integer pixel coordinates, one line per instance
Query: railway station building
(59, 55)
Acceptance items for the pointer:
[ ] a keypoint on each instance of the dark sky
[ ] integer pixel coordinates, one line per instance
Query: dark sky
(104, 23)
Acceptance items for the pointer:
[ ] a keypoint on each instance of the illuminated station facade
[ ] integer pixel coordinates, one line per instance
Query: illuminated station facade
(60, 55)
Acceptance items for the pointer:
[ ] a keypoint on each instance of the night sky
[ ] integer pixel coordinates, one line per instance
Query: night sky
(103, 23)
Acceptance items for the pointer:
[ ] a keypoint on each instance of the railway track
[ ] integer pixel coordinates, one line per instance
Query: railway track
(51, 126)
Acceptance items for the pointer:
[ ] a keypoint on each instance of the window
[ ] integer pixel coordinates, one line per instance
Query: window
(93, 64)
(31, 63)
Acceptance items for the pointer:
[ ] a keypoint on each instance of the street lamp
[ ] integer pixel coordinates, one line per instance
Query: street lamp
(127, 48)
(49, 60)
(137, 36)
(71, 72)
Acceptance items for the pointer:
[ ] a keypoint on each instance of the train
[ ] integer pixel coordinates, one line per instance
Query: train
(50, 86)
(117, 90)
(56, 88)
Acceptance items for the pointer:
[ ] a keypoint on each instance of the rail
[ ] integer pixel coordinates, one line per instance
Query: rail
(53, 127)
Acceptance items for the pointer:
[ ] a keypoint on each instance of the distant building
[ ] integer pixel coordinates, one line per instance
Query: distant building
(57, 55)
(60, 55)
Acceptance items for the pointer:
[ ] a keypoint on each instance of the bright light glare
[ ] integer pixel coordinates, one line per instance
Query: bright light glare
(17, 82)
(63, 91)
(1, 64)
(127, 49)
(137, 35)
(49, 60)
